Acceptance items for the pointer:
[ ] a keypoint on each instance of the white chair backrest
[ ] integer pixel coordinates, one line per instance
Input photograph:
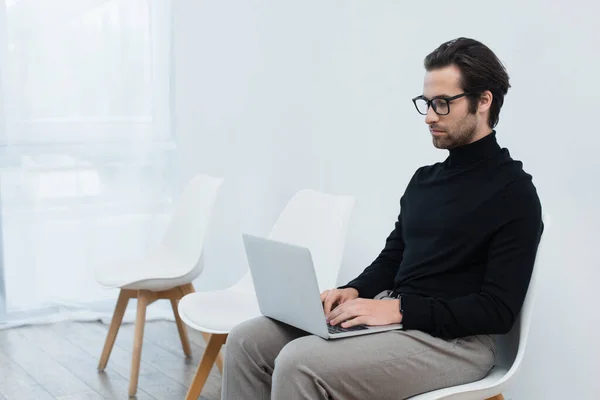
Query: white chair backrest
(511, 346)
(184, 237)
(319, 222)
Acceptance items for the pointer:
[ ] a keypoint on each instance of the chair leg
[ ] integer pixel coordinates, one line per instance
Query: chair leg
(219, 360)
(211, 352)
(115, 324)
(187, 289)
(185, 342)
(497, 397)
(144, 298)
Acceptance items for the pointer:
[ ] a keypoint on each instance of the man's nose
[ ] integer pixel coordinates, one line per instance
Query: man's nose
(431, 116)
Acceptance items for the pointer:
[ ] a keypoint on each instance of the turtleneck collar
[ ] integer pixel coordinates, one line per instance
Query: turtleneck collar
(473, 152)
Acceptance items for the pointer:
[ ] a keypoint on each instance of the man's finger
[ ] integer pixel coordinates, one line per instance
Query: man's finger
(341, 314)
(328, 303)
(324, 295)
(334, 312)
(340, 318)
(360, 320)
(348, 305)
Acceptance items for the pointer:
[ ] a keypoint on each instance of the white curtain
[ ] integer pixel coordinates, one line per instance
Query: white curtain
(87, 154)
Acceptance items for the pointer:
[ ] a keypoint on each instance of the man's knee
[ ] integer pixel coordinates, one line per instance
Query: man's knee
(301, 371)
(247, 332)
(300, 356)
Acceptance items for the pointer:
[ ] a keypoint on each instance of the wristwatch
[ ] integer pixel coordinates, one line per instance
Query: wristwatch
(399, 297)
(401, 309)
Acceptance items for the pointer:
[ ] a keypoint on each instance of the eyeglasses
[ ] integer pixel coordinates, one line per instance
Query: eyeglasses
(441, 105)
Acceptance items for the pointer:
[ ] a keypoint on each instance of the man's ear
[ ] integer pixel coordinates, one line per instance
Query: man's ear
(485, 101)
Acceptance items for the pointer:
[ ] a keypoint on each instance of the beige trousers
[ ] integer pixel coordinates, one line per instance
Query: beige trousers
(266, 359)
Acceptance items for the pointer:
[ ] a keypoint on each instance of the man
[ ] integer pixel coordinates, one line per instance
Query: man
(454, 270)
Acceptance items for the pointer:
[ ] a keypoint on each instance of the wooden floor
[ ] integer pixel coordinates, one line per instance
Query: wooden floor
(59, 362)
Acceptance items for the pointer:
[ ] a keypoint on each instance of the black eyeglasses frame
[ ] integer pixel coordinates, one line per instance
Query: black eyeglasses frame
(430, 103)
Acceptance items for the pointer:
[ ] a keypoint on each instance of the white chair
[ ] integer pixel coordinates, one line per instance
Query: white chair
(510, 349)
(165, 273)
(311, 219)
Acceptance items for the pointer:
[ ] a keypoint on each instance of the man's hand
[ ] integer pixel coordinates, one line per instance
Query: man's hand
(334, 297)
(366, 312)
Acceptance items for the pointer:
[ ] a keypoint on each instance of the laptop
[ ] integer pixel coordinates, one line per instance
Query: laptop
(287, 289)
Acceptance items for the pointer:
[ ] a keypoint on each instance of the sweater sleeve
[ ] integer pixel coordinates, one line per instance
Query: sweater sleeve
(380, 274)
(493, 310)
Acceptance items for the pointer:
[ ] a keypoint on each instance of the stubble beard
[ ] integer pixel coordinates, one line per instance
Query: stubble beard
(457, 136)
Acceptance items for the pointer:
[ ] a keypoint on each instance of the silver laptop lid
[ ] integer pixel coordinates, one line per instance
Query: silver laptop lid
(285, 283)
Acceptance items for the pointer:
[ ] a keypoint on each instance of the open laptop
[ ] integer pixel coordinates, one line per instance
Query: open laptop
(287, 289)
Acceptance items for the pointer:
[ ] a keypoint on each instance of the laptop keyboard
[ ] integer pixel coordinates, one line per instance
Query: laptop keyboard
(339, 329)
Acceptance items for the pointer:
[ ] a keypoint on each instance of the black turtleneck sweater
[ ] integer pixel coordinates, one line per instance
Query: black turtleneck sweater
(464, 246)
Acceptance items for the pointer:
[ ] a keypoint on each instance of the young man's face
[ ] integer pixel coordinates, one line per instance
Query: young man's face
(458, 127)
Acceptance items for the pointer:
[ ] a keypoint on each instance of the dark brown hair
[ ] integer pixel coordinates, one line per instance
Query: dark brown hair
(480, 70)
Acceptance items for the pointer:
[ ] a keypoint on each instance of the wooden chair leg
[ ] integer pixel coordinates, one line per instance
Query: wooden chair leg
(115, 324)
(211, 352)
(144, 298)
(187, 289)
(497, 397)
(219, 360)
(185, 342)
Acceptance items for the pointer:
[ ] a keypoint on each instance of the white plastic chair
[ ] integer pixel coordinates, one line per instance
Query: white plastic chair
(510, 349)
(165, 273)
(314, 220)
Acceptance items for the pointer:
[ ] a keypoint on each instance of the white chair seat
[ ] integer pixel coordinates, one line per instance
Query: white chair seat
(478, 390)
(147, 273)
(218, 311)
